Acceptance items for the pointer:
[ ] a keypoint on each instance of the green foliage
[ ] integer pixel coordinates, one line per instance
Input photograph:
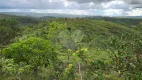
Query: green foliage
(124, 58)
(10, 67)
(77, 36)
(8, 31)
(8, 22)
(54, 30)
(87, 50)
(71, 40)
(69, 73)
(33, 51)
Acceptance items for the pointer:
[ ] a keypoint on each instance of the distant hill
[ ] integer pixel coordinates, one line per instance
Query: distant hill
(6, 16)
(38, 15)
(46, 17)
(27, 17)
(132, 17)
(126, 20)
(21, 19)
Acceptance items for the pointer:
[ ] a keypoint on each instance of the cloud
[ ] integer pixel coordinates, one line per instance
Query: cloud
(134, 1)
(70, 4)
(102, 1)
(87, 7)
(113, 12)
(87, 1)
(135, 12)
(36, 4)
(115, 5)
(91, 12)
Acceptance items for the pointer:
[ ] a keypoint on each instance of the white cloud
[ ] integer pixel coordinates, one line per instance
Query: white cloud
(77, 7)
(113, 12)
(91, 4)
(19, 1)
(105, 12)
(117, 4)
(135, 12)
(61, 11)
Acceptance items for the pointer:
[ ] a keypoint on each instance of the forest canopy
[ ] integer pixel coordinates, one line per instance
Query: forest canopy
(70, 49)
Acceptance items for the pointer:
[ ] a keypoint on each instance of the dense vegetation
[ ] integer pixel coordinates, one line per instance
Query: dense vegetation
(70, 49)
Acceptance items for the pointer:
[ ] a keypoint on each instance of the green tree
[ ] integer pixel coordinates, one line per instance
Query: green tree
(9, 67)
(8, 30)
(35, 52)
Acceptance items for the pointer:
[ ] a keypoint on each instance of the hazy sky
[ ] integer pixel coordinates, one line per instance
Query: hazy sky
(77, 7)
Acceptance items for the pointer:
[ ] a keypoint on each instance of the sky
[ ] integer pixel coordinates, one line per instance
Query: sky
(75, 7)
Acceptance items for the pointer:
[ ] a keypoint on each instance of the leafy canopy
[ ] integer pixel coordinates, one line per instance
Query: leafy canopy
(33, 51)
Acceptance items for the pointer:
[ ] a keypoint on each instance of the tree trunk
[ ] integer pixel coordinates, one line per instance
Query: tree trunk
(79, 69)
